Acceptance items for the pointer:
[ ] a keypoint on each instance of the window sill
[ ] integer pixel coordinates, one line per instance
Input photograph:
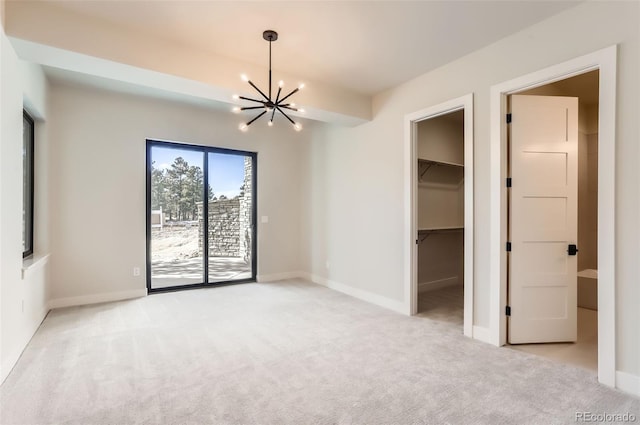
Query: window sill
(34, 262)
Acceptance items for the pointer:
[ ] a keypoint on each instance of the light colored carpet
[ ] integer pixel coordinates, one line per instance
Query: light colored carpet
(282, 353)
(447, 305)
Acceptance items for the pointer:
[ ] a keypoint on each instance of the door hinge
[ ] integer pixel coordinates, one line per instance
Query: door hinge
(508, 246)
(508, 181)
(507, 310)
(508, 118)
(417, 243)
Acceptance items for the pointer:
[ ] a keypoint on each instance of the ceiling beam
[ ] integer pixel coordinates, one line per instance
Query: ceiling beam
(60, 39)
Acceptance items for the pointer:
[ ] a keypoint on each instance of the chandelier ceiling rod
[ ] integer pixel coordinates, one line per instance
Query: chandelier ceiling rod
(268, 104)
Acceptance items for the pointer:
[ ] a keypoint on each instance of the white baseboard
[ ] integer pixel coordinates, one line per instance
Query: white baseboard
(482, 334)
(7, 365)
(10, 361)
(277, 276)
(97, 298)
(438, 284)
(628, 383)
(397, 306)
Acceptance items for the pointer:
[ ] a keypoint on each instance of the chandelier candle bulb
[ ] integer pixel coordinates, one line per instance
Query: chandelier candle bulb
(243, 127)
(236, 109)
(244, 77)
(281, 84)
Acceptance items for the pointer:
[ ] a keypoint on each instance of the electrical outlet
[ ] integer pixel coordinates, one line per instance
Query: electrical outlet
(136, 271)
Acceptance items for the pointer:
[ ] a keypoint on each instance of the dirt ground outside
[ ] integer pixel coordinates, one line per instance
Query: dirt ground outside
(176, 259)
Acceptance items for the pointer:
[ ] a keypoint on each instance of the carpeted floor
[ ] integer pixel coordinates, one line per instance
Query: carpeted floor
(282, 353)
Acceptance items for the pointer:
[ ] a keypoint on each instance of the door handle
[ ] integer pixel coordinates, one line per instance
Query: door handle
(572, 250)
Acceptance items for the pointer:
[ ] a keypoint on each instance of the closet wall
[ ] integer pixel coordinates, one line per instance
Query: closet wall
(588, 187)
(441, 201)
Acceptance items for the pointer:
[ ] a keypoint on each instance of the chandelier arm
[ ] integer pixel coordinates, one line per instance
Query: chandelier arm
(286, 116)
(273, 113)
(294, 91)
(288, 107)
(278, 95)
(246, 108)
(259, 91)
(250, 99)
(257, 116)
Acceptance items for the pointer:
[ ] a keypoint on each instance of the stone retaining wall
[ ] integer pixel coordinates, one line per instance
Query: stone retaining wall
(230, 222)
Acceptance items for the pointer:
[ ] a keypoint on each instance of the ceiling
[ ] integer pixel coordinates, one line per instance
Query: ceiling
(362, 46)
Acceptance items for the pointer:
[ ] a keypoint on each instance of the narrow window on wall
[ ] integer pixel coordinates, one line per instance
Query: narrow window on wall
(27, 181)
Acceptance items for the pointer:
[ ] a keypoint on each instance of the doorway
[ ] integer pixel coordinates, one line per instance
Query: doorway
(605, 62)
(200, 216)
(440, 205)
(572, 275)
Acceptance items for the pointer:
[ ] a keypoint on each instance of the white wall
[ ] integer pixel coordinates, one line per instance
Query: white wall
(442, 138)
(23, 290)
(98, 141)
(357, 174)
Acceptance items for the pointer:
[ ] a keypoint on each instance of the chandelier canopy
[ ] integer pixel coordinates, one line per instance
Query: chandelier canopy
(268, 104)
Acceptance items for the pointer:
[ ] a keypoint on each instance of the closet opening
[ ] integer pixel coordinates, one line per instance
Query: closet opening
(580, 346)
(440, 278)
(440, 213)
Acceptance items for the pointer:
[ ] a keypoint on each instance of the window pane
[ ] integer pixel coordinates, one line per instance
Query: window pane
(230, 217)
(176, 202)
(27, 181)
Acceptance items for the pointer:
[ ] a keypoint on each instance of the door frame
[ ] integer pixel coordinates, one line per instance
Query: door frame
(206, 150)
(411, 121)
(605, 61)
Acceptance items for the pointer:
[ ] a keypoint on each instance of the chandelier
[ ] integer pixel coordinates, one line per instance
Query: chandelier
(268, 104)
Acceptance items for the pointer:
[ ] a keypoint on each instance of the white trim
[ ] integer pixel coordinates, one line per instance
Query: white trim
(628, 383)
(361, 294)
(605, 61)
(277, 276)
(97, 298)
(482, 334)
(31, 264)
(12, 359)
(10, 362)
(410, 184)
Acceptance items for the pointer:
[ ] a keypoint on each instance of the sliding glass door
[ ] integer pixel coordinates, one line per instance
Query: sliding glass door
(190, 242)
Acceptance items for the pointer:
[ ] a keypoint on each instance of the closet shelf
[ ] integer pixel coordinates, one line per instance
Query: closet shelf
(439, 229)
(425, 165)
(425, 232)
(434, 162)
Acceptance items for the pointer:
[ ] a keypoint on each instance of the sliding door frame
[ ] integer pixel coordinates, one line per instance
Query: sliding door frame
(206, 150)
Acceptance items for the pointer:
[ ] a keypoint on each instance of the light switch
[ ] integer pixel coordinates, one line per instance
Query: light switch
(264, 219)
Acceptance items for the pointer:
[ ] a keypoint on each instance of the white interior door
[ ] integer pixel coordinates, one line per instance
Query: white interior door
(543, 219)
